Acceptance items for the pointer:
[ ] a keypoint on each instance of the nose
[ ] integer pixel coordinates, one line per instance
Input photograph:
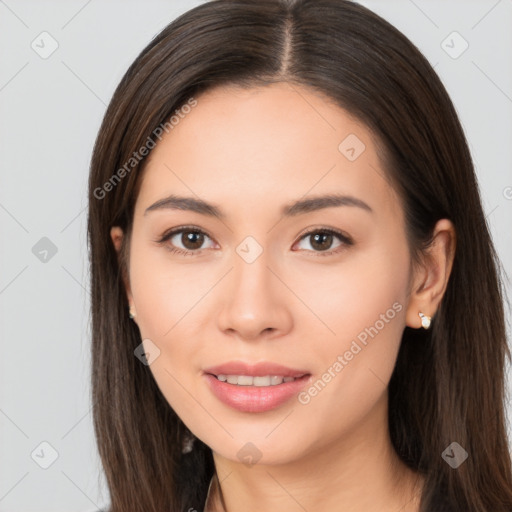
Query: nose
(256, 303)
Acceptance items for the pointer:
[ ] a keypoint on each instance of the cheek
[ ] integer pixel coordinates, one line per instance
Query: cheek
(168, 309)
(365, 308)
(170, 301)
(350, 296)
(165, 294)
(363, 303)
(156, 320)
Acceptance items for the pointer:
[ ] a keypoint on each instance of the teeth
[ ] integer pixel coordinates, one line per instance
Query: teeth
(248, 380)
(243, 380)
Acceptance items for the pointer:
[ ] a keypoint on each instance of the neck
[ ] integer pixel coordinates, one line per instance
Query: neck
(359, 471)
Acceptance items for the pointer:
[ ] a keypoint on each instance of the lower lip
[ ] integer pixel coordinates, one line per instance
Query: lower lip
(255, 398)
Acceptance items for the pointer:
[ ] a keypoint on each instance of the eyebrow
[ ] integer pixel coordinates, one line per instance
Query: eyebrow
(299, 207)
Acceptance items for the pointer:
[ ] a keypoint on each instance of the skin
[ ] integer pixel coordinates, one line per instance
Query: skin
(251, 152)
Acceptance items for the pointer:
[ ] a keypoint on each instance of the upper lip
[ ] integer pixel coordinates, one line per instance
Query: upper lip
(255, 369)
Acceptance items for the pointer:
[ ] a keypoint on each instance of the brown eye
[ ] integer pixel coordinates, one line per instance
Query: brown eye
(321, 241)
(184, 240)
(192, 239)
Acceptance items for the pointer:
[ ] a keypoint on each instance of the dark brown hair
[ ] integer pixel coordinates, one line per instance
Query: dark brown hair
(448, 383)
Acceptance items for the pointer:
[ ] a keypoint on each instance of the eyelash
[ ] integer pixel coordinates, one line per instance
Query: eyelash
(347, 241)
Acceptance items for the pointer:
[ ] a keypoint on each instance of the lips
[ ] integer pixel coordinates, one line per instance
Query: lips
(254, 394)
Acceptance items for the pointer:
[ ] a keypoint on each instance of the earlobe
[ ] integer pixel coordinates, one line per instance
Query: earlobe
(116, 234)
(432, 279)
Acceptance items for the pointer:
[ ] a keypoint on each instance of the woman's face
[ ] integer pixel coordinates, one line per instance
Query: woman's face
(262, 285)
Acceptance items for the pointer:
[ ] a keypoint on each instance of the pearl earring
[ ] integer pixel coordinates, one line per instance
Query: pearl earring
(425, 320)
(188, 443)
(131, 314)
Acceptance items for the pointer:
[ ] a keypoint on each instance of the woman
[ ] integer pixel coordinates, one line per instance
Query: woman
(296, 302)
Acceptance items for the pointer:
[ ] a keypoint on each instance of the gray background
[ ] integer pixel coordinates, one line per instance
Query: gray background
(51, 109)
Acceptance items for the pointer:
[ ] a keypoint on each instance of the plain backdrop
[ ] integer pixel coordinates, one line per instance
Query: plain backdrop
(51, 108)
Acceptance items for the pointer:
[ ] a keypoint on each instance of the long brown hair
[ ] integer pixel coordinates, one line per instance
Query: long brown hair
(448, 383)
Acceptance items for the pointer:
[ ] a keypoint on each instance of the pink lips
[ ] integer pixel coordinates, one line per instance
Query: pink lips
(255, 398)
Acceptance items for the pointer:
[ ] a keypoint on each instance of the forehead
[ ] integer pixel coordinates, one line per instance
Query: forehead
(277, 142)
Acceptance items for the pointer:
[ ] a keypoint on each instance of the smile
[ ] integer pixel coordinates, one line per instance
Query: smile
(249, 380)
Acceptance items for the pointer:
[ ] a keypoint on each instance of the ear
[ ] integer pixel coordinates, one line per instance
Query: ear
(429, 282)
(117, 236)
